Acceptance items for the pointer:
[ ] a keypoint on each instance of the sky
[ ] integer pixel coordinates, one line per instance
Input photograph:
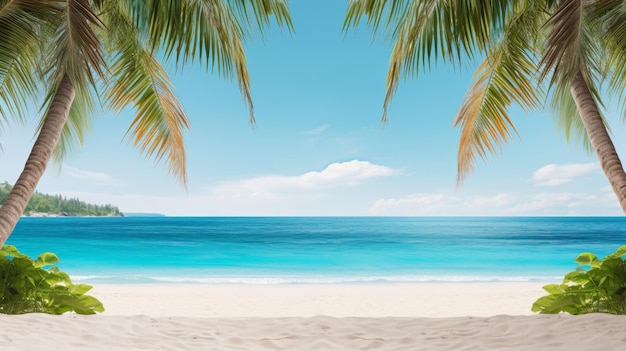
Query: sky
(319, 149)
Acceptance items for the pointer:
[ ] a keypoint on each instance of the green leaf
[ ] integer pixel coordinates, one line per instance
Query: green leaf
(79, 289)
(576, 277)
(599, 289)
(29, 287)
(555, 289)
(552, 304)
(621, 252)
(10, 250)
(61, 276)
(46, 259)
(585, 258)
(80, 304)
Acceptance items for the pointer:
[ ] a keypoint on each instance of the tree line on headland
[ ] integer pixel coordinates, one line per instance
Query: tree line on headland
(51, 205)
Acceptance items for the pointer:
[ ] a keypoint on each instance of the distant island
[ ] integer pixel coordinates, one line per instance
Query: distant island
(43, 205)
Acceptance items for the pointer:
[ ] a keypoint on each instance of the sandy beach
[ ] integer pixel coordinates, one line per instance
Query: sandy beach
(306, 300)
(445, 316)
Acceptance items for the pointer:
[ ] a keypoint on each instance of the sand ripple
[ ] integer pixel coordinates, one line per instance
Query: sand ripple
(539, 332)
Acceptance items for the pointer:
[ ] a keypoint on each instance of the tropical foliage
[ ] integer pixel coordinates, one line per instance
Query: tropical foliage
(564, 51)
(59, 205)
(76, 53)
(29, 286)
(601, 287)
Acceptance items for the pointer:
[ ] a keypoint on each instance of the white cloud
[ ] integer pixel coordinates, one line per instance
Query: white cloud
(441, 204)
(340, 189)
(334, 175)
(338, 204)
(569, 203)
(352, 188)
(606, 189)
(498, 201)
(503, 204)
(554, 175)
(317, 130)
(96, 177)
(412, 205)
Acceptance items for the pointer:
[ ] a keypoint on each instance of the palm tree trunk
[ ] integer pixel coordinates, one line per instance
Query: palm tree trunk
(599, 138)
(40, 155)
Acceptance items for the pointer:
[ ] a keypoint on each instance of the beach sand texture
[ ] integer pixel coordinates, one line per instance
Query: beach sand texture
(307, 300)
(324, 317)
(542, 332)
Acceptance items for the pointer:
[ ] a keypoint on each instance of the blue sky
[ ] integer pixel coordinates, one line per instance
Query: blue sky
(318, 147)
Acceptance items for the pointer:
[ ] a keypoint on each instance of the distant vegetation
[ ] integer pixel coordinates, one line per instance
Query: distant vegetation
(43, 204)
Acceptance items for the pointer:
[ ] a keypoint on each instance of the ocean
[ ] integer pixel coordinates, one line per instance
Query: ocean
(323, 250)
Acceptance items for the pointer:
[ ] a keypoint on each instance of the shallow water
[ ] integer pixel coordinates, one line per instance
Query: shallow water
(270, 250)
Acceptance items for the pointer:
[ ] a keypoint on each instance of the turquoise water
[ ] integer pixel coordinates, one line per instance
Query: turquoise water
(273, 250)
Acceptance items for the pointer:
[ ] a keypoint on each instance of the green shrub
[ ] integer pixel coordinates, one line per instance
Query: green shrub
(601, 288)
(28, 286)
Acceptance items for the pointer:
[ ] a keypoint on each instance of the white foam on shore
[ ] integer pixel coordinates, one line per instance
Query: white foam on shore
(279, 280)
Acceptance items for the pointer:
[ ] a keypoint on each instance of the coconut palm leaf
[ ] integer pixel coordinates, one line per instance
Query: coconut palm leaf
(424, 31)
(197, 29)
(77, 125)
(140, 81)
(263, 11)
(77, 51)
(74, 50)
(210, 31)
(160, 119)
(581, 44)
(612, 14)
(135, 33)
(506, 76)
(571, 46)
(20, 25)
(568, 118)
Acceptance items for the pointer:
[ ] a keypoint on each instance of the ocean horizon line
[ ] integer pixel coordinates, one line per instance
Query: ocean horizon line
(159, 215)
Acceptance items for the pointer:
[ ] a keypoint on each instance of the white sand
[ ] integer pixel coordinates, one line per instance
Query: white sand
(158, 317)
(345, 300)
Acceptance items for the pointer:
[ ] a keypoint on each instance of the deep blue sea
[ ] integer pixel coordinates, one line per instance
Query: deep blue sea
(279, 250)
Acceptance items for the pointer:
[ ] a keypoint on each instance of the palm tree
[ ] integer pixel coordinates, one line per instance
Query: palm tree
(82, 51)
(580, 45)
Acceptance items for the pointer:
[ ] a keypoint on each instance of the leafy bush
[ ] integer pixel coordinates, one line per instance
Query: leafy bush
(28, 285)
(602, 288)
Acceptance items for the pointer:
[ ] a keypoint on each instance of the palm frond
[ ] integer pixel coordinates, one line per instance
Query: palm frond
(77, 125)
(568, 119)
(261, 12)
(205, 30)
(21, 23)
(210, 31)
(506, 76)
(570, 46)
(140, 81)
(220, 38)
(428, 30)
(78, 51)
(74, 49)
(612, 15)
